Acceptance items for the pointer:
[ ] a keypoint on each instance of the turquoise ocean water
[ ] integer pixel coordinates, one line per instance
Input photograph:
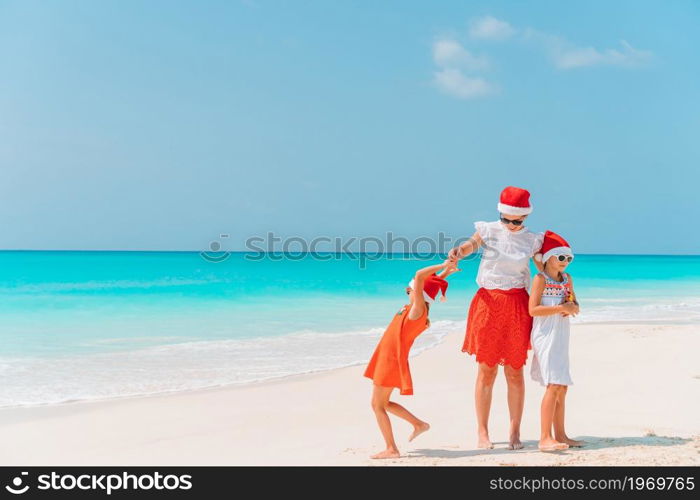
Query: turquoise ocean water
(90, 325)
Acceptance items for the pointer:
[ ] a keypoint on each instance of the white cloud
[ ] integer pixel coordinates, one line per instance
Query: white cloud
(453, 82)
(565, 55)
(490, 28)
(449, 53)
(589, 56)
(457, 69)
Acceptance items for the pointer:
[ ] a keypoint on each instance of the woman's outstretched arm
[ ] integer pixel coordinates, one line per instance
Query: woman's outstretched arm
(469, 246)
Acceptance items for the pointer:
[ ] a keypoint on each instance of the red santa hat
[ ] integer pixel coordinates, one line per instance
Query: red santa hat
(514, 201)
(553, 244)
(431, 286)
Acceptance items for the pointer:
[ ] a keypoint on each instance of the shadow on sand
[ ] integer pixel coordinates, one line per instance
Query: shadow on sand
(592, 443)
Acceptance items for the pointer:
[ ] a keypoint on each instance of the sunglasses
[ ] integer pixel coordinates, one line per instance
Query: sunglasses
(563, 258)
(514, 222)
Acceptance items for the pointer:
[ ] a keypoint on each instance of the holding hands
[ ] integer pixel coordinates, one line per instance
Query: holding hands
(449, 266)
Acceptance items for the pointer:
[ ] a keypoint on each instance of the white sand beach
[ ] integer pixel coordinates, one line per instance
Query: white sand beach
(636, 401)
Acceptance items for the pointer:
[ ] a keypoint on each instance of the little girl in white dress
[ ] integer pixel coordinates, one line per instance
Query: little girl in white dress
(552, 301)
(550, 336)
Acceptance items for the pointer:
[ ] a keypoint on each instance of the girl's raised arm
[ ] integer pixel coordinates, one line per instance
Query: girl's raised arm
(418, 307)
(451, 269)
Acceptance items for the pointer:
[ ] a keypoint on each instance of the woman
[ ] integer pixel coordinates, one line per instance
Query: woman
(498, 322)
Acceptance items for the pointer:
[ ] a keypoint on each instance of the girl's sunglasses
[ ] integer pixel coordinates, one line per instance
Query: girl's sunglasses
(563, 258)
(514, 222)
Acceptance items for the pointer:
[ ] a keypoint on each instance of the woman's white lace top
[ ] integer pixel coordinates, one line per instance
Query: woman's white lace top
(505, 259)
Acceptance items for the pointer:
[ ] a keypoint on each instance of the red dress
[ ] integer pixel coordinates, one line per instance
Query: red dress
(499, 326)
(389, 364)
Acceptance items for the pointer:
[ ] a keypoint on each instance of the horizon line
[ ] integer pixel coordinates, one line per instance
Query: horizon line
(316, 252)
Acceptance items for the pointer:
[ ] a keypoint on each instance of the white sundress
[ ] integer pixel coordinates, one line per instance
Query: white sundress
(550, 337)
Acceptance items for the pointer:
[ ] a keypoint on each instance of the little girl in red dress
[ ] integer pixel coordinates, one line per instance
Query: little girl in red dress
(389, 367)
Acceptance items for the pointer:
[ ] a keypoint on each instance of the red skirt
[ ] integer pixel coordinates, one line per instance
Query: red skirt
(499, 326)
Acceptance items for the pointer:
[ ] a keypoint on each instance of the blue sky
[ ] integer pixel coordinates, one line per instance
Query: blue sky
(159, 125)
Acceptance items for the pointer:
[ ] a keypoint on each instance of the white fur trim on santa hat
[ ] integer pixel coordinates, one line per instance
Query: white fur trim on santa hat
(557, 251)
(427, 297)
(511, 210)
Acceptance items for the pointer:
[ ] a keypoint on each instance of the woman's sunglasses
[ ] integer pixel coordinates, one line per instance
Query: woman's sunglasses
(563, 258)
(514, 222)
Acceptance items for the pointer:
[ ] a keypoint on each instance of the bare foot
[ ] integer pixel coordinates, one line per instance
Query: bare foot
(515, 443)
(387, 454)
(418, 430)
(484, 441)
(573, 443)
(551, 445)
